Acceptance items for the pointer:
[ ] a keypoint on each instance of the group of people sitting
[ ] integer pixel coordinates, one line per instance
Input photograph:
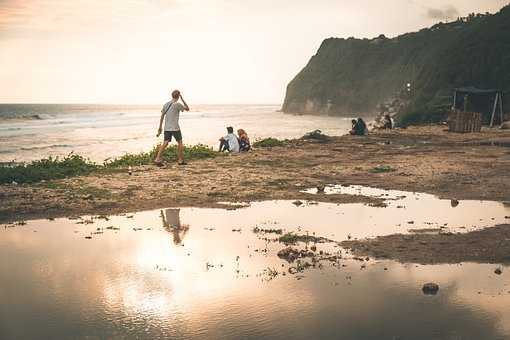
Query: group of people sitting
(233, 143)
(359, 127)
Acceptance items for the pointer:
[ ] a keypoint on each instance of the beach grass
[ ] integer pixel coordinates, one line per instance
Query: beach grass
(270, 142)
(198, 151)
(53, 168)
(47, 169)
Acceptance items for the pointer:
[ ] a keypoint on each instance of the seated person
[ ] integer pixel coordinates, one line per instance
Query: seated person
(354, 122)
(387, 122)
(244, 140)
(229, 142)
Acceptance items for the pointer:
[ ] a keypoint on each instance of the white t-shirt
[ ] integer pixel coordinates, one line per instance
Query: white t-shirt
(232, 141)
(172, 115)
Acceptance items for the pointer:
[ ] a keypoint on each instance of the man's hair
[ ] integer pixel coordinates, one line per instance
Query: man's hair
(176, 94)
(230, 129)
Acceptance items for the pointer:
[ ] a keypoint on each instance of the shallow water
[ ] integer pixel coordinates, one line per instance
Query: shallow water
(203, 274)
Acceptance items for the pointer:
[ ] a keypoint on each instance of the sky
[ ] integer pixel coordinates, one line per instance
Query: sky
(214, 51)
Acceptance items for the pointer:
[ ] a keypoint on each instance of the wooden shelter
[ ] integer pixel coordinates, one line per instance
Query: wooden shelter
(487, 102)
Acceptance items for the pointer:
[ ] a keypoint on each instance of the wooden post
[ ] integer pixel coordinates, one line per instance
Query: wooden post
(501, 108)
(494, 109)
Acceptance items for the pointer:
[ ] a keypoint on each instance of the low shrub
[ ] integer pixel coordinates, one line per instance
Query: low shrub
(47, 169)
(269, 142)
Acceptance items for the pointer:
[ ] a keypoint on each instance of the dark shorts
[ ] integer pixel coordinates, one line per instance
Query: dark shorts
(177, 135)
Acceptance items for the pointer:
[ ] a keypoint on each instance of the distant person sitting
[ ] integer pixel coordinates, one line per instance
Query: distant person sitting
(244, 141)
(387, 122)
(229, 142)
(354, 122)
(359, 128)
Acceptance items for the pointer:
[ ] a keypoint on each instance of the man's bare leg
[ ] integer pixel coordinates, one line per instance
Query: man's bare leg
(180, 152)
(162, 148)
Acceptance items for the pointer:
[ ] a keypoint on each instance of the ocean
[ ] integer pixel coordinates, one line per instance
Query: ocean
(100, 132)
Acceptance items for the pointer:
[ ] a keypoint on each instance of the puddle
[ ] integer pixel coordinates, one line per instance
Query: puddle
(205, 274)
(413, 212)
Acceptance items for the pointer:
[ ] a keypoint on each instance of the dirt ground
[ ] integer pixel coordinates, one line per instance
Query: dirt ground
(424, 159)
(491, 245)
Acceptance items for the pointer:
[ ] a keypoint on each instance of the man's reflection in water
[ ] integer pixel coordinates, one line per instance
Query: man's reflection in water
(172, 223)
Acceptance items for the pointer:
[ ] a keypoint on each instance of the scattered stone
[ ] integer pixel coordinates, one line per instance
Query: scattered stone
(297, 203)
(321, 188)
(430, 288)
(88, 237)
(454, 203)
(498, 271)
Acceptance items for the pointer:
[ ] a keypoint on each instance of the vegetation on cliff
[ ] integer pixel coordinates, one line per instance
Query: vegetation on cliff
(356, 75)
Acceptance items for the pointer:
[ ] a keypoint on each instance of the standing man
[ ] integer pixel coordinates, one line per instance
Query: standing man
(171, 110)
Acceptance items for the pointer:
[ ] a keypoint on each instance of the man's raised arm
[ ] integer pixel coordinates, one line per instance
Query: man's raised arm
(186, 107)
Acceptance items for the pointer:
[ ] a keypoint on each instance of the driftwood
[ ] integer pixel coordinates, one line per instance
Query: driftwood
(464, 121)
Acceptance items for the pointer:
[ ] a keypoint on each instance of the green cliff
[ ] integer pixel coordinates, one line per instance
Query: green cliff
(357, 75)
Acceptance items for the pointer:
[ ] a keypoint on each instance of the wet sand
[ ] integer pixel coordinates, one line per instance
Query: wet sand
(421, 159)
(490, 245)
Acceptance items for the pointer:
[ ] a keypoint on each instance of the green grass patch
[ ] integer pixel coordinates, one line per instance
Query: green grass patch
(72, 165)
(270, 142)
(382, 169)
(198, 151)
(292, 238)
(47, 169)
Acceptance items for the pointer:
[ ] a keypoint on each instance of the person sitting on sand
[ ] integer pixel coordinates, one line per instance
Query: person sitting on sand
(387, 122)
(354, 122)
(230, 142)
(170, 112)
(359, 128)
(244, 140)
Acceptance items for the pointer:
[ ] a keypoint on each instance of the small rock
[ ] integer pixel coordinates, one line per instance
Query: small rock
(321, 188)
(498, 271)
(454, 203)
(430, 288)
(297, 203)
(88, 237)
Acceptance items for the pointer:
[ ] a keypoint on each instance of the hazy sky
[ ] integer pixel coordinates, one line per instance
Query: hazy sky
(215, 51)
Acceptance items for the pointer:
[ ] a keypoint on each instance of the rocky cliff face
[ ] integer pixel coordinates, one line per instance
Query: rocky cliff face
(419, 69)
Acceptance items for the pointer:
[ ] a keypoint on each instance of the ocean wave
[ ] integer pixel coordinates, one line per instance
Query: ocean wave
(38, 116)
(42, 147)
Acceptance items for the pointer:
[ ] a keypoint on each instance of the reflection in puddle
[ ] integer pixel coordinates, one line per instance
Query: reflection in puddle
(172, 223)
(204, 273)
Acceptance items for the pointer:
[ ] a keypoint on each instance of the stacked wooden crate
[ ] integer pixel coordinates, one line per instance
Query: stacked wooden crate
(459, 121)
